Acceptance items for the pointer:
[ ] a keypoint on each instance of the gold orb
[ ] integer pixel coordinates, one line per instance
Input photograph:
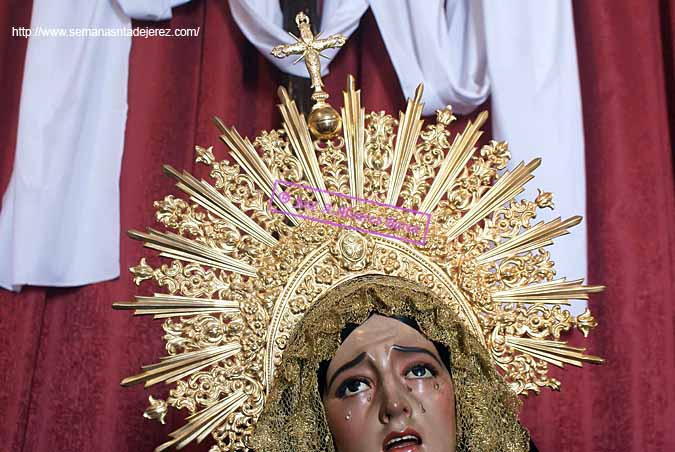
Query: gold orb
(324, 122)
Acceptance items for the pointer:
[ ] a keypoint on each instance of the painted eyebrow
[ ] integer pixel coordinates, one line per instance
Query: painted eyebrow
(406, 349)
(346, 366)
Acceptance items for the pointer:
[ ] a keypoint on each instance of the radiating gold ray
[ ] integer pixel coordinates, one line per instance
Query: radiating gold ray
(460, 152)
(301, 142)
(165, 306)
(172, 368)
(188, 370)
(178, 247)
(554, 352)
(409, 129)
(507, 187)
(538, 236)
(247, 158)
(201, 424)
(353, 123)
(212, 200)
(556, 361)
(186, 356)
(182, 256)
(166, 314)
(207, 419)
(551, 292)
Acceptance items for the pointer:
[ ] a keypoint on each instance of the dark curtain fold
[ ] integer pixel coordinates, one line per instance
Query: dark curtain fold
(64, 351)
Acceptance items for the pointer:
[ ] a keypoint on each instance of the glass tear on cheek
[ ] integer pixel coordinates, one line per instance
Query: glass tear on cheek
(437, 386)
(349, 415)
(370, 398)
(422, 408)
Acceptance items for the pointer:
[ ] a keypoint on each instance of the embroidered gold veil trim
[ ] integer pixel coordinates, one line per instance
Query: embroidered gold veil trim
(293, 417)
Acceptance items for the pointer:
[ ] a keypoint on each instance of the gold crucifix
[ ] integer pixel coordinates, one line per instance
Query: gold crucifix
(309, 47)
(324, 121)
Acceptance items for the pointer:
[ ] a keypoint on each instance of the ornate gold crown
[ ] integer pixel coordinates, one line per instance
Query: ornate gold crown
(249, 255)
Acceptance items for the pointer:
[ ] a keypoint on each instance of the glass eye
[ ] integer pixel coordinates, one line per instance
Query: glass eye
(420, 371)
(351, 387)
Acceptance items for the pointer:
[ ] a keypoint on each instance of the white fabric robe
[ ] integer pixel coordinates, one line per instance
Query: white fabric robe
(59, 223)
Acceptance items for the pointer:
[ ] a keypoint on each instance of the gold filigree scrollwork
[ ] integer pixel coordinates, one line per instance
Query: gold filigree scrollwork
(379, 153)
(176, 213)
(428, 156)
(334, 161)
(278, 157)
(190, 280)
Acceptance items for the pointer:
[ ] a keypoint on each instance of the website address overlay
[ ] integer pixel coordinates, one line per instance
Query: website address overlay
(141, 32)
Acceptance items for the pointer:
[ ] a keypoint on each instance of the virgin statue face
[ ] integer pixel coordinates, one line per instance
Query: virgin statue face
(387, 390)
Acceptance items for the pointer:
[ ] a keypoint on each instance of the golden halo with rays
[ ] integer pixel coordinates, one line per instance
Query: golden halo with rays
(244, 266)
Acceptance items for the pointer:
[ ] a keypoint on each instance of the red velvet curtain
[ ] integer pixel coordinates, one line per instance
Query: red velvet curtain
(625, 53)
(64, 351)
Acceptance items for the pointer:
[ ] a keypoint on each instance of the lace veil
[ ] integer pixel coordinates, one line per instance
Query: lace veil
(293, 418)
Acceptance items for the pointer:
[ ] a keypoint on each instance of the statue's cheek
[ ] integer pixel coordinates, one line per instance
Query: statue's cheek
(353, 423)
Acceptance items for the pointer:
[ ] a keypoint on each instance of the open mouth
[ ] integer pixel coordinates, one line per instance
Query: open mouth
(401, 441)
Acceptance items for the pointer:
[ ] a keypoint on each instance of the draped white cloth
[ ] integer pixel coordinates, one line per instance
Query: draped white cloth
(536, 107)
(149, 9)
(59, 223)
(522, 54)
(260, 21)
